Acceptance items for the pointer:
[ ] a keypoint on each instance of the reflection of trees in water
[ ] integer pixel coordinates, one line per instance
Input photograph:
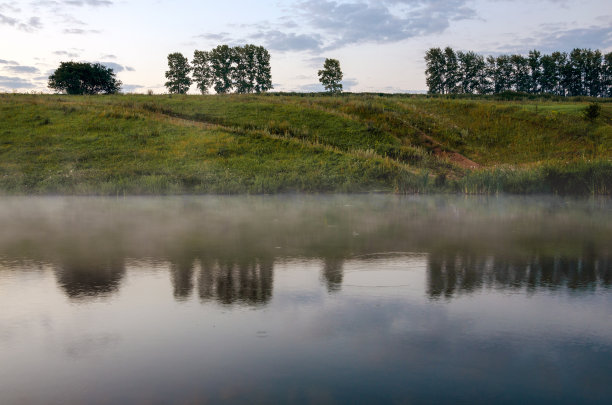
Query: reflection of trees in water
(181, 275)
(333, 273)
(81, 277)
(453, 273)
(224, 280)
(229, 282)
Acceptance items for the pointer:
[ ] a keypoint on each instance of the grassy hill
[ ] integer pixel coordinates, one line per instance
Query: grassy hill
(140, 144)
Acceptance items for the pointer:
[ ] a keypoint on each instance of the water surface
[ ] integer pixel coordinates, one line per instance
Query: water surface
(305, 299)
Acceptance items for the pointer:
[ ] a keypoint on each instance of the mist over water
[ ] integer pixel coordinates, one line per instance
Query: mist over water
(305, 299)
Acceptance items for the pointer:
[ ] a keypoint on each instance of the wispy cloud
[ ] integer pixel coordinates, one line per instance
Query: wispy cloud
(67, 54)
(80, 31)
(19, 69)
(8, 82)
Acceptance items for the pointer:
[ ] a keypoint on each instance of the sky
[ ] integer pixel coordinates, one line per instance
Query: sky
(380, 44)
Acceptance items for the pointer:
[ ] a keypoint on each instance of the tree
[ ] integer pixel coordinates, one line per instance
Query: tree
(263, 72)
(471, 66)
(452, 76)
(331, 76)
(244, 68)
(520, 79)
(607, 75)
(84, 78)
(178, 74)
(221, 62)
(435, 72)
(202, 71)
(535, 70)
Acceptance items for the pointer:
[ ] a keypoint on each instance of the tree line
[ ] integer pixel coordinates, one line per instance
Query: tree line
(242, 69)
(582, 72)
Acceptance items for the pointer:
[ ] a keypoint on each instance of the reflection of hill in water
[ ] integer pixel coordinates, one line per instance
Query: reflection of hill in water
(224, 249)
(454, 273)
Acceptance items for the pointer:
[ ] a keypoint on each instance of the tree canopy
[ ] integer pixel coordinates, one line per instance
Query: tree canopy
(243, 69)
(582, 72)
(178, 74)
(84, 78)
(331, 76)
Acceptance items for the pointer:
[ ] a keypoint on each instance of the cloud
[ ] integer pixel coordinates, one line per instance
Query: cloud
(109, 57)
(566, 40)
(79, 31)
(130, 88)
(15, 83)
(18, 69)
(30, 25)
(10, 7)
(381, 21)
(93, 3)
(117, 67)
(280, 41)
(348, 84)
(8, 62)
(550, 38)
(6, 20)
(67, 54)
(319, 25)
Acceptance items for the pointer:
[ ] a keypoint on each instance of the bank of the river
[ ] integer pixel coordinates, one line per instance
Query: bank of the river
(138, 144)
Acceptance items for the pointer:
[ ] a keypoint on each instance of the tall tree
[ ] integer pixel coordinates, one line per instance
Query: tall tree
(263, 72)
(243, 71)
(331, 76)
(471, 68)
(607, 75)
(178, 74)
(504, 73)
(560, 59)
(452, 76)
(574, 72)
(435, 72)
(520, 79)
(549, 79)
(84, 78)
(202, 71)
(221, 62)
(593, 72)
(535, 70)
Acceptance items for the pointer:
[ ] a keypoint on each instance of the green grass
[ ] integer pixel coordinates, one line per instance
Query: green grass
(139, 144)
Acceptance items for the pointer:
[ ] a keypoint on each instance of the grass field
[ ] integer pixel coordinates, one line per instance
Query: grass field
(141, 144)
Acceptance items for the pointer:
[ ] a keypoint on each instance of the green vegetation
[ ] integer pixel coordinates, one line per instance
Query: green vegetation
(268, 143)
(84, 78)
(582, 72)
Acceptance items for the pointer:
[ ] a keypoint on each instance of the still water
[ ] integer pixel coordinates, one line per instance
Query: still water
(305, 299)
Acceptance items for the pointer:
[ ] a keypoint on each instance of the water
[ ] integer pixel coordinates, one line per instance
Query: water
(320, 299)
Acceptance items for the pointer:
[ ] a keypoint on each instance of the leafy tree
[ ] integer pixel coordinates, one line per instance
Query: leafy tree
(263, 72)
(435, 72)
(202, 71)
(471, 67)
(535, 70)
(84, 78)
(560, 59)
(245, 65)
(221, 61)
(178, 74)
(607, 75)
(452, 76)
(520, 79)
(548, 79)
(593, 73)
(331, 76)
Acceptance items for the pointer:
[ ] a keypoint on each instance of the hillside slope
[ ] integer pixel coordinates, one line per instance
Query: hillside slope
(138, 144)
